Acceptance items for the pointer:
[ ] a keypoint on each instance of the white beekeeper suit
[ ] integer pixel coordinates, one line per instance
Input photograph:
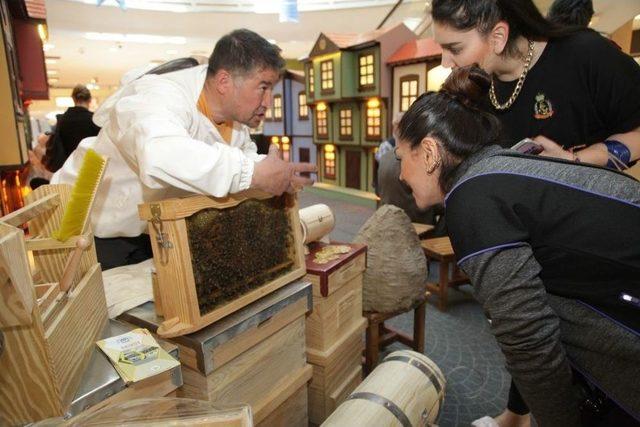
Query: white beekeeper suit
(159, 145)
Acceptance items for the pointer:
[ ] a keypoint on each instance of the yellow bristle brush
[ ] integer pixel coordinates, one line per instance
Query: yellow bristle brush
(78, 210)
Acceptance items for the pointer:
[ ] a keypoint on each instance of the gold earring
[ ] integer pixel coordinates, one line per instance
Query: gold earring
(433, 167)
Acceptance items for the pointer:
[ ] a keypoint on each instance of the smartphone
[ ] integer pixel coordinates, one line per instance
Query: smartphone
(528, 146)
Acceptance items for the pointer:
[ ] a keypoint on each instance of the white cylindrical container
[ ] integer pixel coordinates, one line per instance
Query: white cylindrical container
(316, 221)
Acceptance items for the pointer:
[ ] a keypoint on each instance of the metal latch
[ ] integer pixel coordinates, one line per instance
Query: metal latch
(161, 237)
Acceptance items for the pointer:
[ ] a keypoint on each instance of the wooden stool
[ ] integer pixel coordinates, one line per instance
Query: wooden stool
(379, 335)
(439, 249)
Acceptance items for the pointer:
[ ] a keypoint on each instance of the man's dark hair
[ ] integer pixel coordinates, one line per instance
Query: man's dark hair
(80, 93)
(243, 51)
(571, 12)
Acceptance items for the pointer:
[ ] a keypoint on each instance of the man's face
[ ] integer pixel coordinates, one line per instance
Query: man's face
(251, 95)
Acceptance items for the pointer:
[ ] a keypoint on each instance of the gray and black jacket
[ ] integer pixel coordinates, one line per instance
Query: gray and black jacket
(550, 246)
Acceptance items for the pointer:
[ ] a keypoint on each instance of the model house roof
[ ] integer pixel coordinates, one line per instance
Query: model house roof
(415, 51)
(334, 42)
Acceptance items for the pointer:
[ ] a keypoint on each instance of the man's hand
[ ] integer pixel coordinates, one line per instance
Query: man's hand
(275, 176)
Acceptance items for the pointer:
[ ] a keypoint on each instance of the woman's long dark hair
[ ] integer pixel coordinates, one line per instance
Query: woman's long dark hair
(457, 116)
(523, 17)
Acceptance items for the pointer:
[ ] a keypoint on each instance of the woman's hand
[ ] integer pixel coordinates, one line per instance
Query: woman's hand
(551, 149)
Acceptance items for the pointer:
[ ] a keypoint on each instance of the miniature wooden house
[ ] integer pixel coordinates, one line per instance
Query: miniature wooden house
(216, 255)
(288, 122)
(415, 69)
(349, 87)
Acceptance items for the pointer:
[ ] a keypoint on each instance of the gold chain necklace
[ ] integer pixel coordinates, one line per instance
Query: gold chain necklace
(516, 91)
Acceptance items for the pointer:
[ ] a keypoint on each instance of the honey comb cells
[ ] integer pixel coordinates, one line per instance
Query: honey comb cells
(239, 249)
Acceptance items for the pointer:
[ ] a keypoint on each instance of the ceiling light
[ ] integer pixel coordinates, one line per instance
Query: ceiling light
(135, 38)
(171, 52)
(48, 46)
(50, 60)
(52, 72)
(53, 80)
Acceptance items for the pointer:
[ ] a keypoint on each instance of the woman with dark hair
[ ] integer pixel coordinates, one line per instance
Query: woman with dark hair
(568, 87)
(571, 12)
(536, 236)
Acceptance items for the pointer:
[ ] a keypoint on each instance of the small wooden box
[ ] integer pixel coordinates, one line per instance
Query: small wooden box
(334, 315)
(255, 355)
(214, 256)
(329, 277)
(336, 372)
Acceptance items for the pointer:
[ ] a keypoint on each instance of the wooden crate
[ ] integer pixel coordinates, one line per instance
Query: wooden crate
(329, 277)
(183, 308)
(334, 373)
(48, 338)
(334, 315)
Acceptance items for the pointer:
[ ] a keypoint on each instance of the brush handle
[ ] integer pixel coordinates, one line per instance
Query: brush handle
(73, 262)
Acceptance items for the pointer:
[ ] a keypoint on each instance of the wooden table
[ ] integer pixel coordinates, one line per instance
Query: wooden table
(439, 249)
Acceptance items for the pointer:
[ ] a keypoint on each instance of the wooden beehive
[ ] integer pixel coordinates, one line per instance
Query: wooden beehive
(214, 256)
(255, 356)
(337, 293)
(48, 336)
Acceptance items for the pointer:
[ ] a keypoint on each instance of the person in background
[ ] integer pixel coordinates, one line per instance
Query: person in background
(72, 127)
(181, 133)
(559, 280)
(571, 12)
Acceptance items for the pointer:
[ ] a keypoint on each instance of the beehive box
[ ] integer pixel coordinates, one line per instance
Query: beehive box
(336, 372)
(214, 256)
(337, 293)
(255, 355)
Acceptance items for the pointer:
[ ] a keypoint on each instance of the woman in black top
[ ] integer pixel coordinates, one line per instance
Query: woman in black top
(560, 282)
(566, 87)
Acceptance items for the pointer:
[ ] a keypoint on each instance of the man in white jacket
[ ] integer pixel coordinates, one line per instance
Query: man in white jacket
(183, 132)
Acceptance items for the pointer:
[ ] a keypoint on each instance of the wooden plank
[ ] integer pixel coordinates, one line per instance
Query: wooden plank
(177, 208)
(323, 402)
(280, 393)
(48, 243)
(291, 413)
(50, 263)
(27, 390)
(17, 295)
(31, 210)
(421, 228)
(255, 373)
(175, 281)
(72, 335)
(44, 302)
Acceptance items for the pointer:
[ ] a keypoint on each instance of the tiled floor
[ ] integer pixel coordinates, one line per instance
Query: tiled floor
(458, 341)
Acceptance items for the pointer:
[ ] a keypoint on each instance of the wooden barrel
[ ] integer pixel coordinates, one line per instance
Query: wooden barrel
(406, 389)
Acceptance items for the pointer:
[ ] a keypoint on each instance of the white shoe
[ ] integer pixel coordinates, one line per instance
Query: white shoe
(485, 421)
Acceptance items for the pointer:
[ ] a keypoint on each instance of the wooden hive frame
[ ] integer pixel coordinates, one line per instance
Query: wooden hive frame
(48, 337)
(176, 290)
